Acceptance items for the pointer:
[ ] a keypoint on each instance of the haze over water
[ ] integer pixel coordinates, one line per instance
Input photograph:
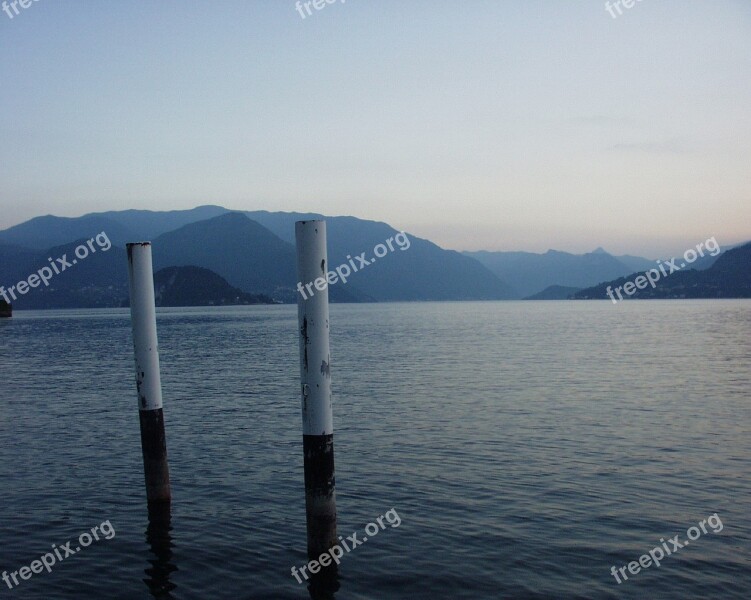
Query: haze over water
(527, 447)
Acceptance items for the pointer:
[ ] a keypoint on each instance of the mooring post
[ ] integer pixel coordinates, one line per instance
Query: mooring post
(148, 380)
(315, 378)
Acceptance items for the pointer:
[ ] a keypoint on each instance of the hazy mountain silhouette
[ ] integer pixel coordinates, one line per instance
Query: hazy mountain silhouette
(98, 281)
(257, 256)
(243, 252)
(253, 259)
(423, 272)
(40, 233)
(196, 286)
(14, 262)
(529, 273)
(147, 225)
(554, 292)
(728, 277)
(238, 245)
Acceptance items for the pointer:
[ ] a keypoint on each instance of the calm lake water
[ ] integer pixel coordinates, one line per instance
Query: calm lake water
(527, 448)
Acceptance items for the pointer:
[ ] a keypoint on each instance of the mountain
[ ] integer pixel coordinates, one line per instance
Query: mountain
(418, 275)
(635, 263)
(44, 232)
(145, 225)
(254, 251)
(13, 262)
(554, 292)
(529, 273)
(283, 223)
(195, 286)
(101, 280)
(243, 252)
(423, 271)
(252, 258)
(121, 226)
(728, 277)
(98, 280)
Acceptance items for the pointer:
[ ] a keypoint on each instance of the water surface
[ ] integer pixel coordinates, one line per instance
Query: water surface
(527, 447)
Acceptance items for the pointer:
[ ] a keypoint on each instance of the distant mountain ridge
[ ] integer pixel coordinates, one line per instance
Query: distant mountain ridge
(529, 273)
(554, 292)
(423, 272)
(249, 256)
(98, 281)
(243, 252)
(40, 233)
(254, 251)
(728, 277)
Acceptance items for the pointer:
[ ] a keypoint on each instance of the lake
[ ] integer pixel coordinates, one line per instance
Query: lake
(527, 448)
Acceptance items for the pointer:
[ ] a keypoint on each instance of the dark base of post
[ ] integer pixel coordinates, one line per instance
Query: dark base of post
(154, 446)
(320, 496)
(324, 584)
(159, 539)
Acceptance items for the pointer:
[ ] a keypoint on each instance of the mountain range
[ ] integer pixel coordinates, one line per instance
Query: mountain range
(254, 253)
(728, 277)
(531, 274)
(238, 248)
(195, 286)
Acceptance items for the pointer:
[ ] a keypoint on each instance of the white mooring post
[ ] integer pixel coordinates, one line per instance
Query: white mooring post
(315, 377)
(148, 380)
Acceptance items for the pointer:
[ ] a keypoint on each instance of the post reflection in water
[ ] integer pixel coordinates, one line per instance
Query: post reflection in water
(159, 539)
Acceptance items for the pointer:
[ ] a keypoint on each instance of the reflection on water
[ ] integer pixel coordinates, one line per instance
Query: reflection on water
(160, 541)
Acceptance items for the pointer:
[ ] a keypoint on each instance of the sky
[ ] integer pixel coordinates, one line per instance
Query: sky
(496, 125)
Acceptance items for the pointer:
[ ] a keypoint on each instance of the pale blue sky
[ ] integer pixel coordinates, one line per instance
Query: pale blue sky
(478, 124)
